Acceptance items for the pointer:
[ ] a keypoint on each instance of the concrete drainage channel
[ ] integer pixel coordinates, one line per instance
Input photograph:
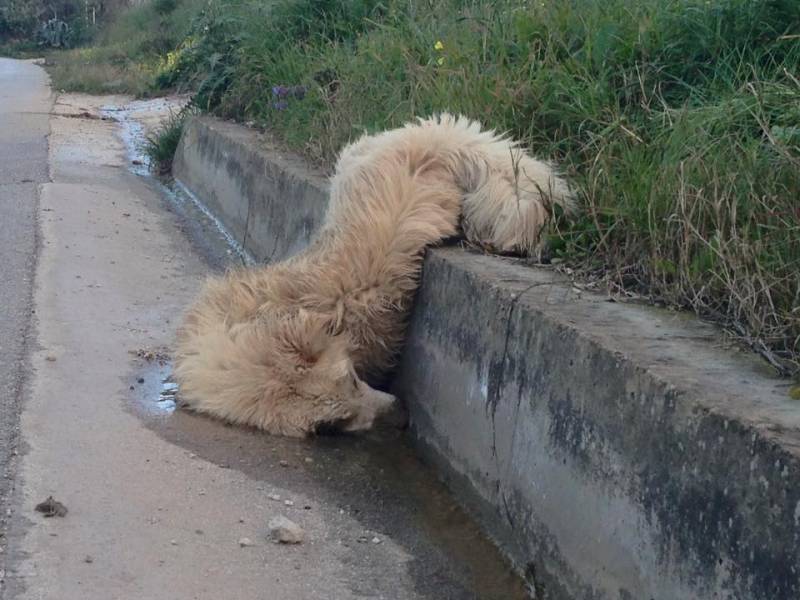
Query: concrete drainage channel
(611, 451)
(378, 510)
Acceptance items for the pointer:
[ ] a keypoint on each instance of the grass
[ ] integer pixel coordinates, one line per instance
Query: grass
(678, 121)
(20, 49)
(160, 146)
(82, 70)
(128, 56)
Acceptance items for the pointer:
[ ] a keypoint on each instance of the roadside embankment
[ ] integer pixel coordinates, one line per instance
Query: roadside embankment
(612, 450)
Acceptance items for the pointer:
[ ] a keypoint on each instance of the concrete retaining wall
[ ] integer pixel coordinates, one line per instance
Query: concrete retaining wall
(613, 451)
(269, 201)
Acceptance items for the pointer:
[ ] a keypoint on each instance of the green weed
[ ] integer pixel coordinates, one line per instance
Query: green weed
(131, 54)
(160, 146)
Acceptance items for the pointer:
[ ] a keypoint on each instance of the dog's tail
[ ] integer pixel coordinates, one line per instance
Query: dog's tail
(508, 195)
(511, 198)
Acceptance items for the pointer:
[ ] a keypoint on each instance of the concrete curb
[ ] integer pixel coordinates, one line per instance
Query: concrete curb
(270, 201)
(613, 451)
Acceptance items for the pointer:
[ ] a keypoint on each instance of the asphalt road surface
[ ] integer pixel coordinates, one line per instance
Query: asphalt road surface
(25, 103)
(97, 263)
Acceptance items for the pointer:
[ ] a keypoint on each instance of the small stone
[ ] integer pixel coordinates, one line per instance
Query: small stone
(275, 497)
(288, 503)
(50, 358)
(308, 459)
(241, 519)
(376, 540)
(88, 559)
(140, 380)
(285, 531)
(283, 463)
(246, 542)
(174, 542)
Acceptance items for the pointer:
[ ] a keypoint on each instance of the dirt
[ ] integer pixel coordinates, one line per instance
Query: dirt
(51, 508)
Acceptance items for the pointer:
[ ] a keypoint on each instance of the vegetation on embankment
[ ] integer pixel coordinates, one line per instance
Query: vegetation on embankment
(29, 26)
(678, 121)
(129, 53)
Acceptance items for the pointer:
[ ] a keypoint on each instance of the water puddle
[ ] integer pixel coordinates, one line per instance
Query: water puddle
(154, 391)
(377, 478)
(181, 197)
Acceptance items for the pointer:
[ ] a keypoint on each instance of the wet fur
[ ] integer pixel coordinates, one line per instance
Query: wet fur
(287, 347)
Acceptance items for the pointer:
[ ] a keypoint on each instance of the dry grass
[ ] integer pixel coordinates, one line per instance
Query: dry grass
(78, 71)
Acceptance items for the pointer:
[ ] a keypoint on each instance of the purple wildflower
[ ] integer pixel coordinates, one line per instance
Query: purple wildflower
(280, 91)
(280, 105)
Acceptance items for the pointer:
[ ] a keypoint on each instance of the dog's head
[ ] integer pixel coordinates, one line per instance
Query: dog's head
(328, 393)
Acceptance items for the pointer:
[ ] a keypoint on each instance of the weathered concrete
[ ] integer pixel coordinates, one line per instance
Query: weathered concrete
(261, 194)
(614, 451)
(625, 453)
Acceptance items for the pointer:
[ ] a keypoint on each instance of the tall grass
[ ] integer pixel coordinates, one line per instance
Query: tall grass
(130, 54)
(678, 121)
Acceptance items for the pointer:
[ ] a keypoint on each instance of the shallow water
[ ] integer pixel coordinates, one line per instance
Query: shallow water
(206, 228)
(376, 478)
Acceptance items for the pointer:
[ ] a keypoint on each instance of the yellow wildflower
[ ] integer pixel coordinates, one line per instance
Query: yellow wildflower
(438, 45)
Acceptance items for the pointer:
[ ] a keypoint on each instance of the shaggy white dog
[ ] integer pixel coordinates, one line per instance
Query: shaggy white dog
(286, 347)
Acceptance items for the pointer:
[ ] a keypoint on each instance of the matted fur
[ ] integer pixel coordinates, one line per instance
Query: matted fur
(287, 347)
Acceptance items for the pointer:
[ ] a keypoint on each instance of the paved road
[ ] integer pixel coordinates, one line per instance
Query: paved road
(24, 125)
(158, 500)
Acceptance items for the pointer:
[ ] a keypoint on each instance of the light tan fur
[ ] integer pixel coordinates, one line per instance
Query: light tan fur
(287, 347)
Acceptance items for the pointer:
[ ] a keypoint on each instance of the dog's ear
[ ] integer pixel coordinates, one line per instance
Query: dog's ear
(304, 338)
(299, 339)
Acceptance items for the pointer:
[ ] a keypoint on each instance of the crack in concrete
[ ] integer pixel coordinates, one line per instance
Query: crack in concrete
(246, 229)
(501, 375)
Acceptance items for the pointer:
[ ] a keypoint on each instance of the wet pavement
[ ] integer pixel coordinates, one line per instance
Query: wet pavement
(376, 479)
(158, 498)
